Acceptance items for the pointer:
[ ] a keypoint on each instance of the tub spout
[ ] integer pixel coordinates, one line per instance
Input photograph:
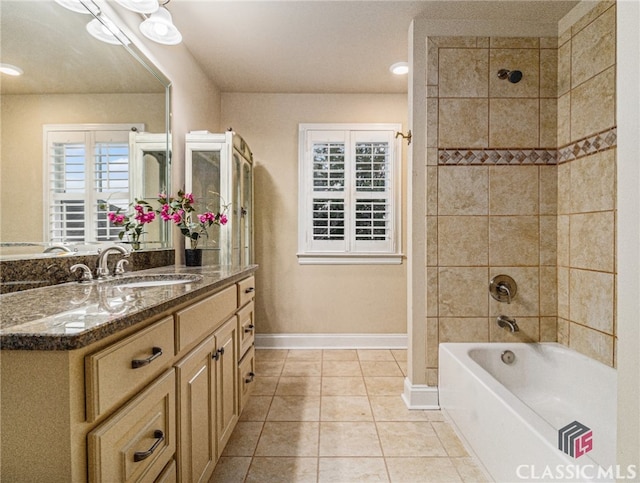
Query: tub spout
(508, 323)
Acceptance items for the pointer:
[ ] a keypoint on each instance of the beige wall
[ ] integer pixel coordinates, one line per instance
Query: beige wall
(21, 170)
(491, 191)
(587, 184)
(310, 298)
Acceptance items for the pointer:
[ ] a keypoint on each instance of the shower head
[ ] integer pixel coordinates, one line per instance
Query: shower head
(513, 76)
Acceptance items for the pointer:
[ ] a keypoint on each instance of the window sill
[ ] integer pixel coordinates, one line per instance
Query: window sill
(350, 259)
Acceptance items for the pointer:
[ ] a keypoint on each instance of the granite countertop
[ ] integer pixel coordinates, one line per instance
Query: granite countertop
(73, 315)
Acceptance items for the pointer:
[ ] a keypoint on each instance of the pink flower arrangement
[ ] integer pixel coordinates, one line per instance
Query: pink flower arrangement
(132, 224)
(180, 210)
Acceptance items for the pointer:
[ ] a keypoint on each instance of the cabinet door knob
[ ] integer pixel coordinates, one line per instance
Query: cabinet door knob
(249, 290)
(216, 355)
(142, 455)
(156, 352)
(249, 328)
(250, 377)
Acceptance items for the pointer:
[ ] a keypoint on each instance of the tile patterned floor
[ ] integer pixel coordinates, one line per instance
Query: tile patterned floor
(336, 416)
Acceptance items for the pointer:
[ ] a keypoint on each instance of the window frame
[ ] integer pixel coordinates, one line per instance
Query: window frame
(350, 250)
(88, 133)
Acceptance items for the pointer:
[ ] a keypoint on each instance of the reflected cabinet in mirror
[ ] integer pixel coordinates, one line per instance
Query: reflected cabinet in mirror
(86, 126)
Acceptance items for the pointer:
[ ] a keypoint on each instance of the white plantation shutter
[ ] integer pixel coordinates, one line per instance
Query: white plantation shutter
(86, 166)
(349, 194)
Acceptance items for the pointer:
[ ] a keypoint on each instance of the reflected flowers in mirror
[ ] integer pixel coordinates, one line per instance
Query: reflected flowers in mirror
(133, 223)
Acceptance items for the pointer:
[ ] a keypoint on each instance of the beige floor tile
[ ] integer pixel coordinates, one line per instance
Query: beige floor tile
(393, 408)
(280, 470)
(265, 385)
(340, 355)
(380, 368)
(399, 354)
(375, 355)
(345, 408)
(409, 438)
(469, 470)
(298, 386)
(403, 367)
(294, 408)
(384, 386)
(271, 354)
(244, 439)
(256, 409)
(349, 439)
(230, 470)
(343, 386)
(341, 368)
(269, 368)
(350, 470)
(423, 470)
(434, 415)
(449, 439)
(301, 367)
(283, 438)
(305, 355)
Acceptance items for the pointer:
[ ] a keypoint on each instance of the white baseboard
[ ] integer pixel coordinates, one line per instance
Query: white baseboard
(331, 341)
(420, 396)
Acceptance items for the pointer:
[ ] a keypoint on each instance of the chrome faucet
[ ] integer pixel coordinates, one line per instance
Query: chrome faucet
(53, 248)
(503, 289)
(103, 268)
(508, 323)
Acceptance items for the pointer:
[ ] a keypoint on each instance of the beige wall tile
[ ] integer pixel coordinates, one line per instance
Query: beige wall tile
(432, 292)
(548, 42)
(548, 123)
(564, 188)
(432, 62)
(548, 190)
(433, 340)
(432, 122)
(549, 73)
(463, 123)
(464, 72)
(515, 42)
(548, 240)
(483, 42)
(600, 7)
(592, 241)
(458, 42)
(513, 190)
(593, 182)
(591, 343)
(591, 299)
(563, 293)
(564, 119)
(432, 241)
(513, 241)
(525, 60)
(463, 190)
(548, 329)
(432, 190)
(593, 105)
(463, 292)
(432, 377)
(593, 49)
(432, 156)
(463, 240)
(563, 240)
(563, 331)
(464, 329)
(513, 123)
(526, 302)
(564, 68)
(529, 331)
(548, 291)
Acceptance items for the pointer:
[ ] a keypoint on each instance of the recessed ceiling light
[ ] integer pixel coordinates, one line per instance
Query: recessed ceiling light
(399, 68)
(10, 69)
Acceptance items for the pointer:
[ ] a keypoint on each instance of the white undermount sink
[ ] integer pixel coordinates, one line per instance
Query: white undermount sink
(160, 280)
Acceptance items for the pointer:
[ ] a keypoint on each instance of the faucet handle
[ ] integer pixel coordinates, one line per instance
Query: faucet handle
(120, 265)
(503, 288)
(86, 271)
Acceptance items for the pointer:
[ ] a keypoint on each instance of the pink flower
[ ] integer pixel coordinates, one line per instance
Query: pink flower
(139, 208)
(162, 196)
(177, 216)
(203, 218)
(146, 217)
(223, 219)
(164, 213)
(188, 197)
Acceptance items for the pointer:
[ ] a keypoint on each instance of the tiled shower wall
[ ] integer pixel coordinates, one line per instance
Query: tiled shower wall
(520, 181)
(491, 192)
(587, 184)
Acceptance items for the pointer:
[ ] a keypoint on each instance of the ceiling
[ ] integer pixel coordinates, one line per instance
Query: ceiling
(315, 46)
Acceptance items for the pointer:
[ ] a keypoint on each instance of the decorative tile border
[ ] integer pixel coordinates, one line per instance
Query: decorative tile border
(584, 147)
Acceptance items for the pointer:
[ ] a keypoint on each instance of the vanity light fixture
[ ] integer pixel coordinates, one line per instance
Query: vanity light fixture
(10, 69)
(399, 68)
(73, 5)
(140, 6)
(104, 29)
(159, 28)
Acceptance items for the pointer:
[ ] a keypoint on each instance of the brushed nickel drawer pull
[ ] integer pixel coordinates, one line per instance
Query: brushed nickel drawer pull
(249, 290)
(142, 455)
(250, 377)
(249, 328)
(156, 352)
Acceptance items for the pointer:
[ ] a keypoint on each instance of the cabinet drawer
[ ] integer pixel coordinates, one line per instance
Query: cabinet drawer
(246, 375)
(204, 317)
(246, 290)
(117, 372)
(138, 441)
(246, 328)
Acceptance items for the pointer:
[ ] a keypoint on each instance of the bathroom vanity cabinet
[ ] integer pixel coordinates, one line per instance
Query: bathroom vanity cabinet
(156, 401)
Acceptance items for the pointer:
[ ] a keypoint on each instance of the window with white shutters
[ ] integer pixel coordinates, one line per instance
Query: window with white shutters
(349, 193)
(87, 175)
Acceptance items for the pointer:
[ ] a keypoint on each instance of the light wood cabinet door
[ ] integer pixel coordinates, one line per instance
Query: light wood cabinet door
(226, 364)
(246, 376)
(246, 328)
(197, 452)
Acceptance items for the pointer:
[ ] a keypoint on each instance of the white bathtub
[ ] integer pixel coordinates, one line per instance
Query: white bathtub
(509, 414)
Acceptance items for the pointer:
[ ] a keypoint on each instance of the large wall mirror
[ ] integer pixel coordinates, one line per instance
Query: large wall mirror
(70, 78)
